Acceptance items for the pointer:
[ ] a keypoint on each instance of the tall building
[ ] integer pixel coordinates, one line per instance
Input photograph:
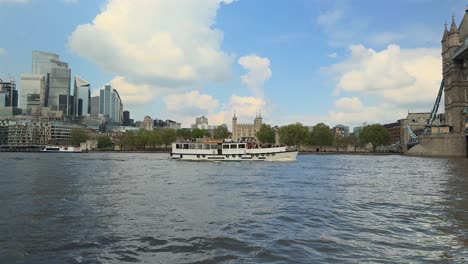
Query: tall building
(126, 118)
(246, 131)
(147, 123)
(8, 94)
(32, 93)
(455, 74)
(57, 79)
(95, 106)
(202, 123)
(110, 104)
(82, 97)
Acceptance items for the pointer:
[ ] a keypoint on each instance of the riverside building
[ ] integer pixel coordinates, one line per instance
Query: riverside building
(35, 132)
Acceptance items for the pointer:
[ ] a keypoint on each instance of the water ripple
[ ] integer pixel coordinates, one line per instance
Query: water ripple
(145, 208)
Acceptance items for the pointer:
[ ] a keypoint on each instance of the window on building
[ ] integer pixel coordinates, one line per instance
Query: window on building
(465, 75)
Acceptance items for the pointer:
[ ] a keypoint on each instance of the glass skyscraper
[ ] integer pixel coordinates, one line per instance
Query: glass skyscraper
(82, 97)
(57, 80)
(32, 93)
(110, 104)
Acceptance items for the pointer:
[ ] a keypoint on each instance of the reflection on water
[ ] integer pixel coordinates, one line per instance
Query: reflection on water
(111, 207)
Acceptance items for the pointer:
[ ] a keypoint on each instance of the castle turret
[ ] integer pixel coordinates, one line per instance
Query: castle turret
(453, 40)
(234, 128)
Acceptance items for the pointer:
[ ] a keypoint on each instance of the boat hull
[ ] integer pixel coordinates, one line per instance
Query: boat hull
(278, 156)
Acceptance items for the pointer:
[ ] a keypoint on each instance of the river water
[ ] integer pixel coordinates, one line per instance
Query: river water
(145, 208)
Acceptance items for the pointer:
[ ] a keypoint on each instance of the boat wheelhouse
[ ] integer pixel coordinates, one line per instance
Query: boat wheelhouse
(230, 151)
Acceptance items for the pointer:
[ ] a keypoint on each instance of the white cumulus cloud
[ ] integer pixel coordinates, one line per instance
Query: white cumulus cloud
(348, 104)
(393, 81)
(135, 94)
(157, 42)
(258, 72)
(191, 103)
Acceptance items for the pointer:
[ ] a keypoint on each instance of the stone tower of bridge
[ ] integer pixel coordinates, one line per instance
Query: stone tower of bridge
(455, 74)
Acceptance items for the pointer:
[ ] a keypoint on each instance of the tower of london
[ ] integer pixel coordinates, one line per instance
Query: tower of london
(246, 131)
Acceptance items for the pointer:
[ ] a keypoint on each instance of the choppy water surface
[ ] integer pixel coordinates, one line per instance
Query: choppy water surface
(125, 208)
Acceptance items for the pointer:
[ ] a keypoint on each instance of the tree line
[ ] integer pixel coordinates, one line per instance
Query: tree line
(292, 135)
(322, 136)
(146, 139)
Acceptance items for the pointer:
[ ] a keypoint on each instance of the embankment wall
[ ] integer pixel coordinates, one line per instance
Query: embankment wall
(442, 145)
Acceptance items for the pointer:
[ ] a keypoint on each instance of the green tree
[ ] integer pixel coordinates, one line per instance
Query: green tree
(184, 133)
(168, 136)
(104, 142)
(200, 133)
(266, 134)
(221, 132)
(155, 138)
(78, 136)
(142, 138)
(128, 140)
(355, 141)
(293, 135)
(322, 136)
(377, 135)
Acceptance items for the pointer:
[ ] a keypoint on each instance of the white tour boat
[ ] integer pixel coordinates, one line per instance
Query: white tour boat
(62, 149)
(230, 151)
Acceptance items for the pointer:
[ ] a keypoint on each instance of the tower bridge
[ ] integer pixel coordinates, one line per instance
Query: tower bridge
(454, 86)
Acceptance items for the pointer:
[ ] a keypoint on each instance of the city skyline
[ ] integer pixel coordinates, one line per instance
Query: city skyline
(340, 63)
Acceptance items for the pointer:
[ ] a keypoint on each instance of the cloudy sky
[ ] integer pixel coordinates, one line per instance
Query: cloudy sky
(308, 61)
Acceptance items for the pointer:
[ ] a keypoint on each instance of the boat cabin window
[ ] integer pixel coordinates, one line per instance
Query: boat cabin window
(226, 146)
(178, 146)
(233, 146)
(242, 146)
(213, 146)
(192, 146)
(198, 146)
(206, 146)
(185, 146)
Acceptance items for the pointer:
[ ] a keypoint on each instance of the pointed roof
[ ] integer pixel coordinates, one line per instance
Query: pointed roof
(453, 27)
(463, 29)
(444, 37)
(81, 82)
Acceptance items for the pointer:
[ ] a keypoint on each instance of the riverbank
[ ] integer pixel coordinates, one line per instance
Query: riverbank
(168, 151)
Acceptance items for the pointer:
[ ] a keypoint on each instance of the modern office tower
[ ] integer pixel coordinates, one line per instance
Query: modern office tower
(9, 93)
(33, 93)
(57, 80)
(95, 106)
(126, 118)
(110, 104)
(82, 97)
